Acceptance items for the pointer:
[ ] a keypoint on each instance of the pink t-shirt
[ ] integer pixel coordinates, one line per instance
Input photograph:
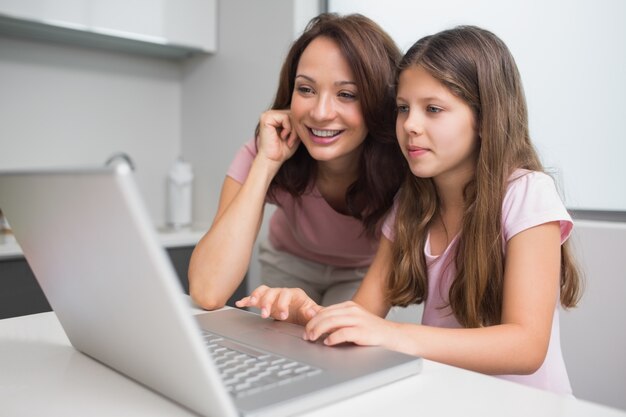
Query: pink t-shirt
(531, 199)
(310, 229)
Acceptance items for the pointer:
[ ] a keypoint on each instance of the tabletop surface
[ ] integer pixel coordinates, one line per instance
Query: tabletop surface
(42, 374)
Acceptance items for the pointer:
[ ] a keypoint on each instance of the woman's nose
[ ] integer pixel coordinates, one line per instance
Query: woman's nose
(324, 108)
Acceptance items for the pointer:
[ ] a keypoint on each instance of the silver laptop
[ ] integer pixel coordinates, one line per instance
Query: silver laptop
(94, 250)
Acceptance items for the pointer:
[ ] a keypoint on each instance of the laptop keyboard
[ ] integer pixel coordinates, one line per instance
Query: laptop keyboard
(247, 371)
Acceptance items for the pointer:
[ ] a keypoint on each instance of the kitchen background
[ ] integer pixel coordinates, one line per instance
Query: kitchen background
(76, 100)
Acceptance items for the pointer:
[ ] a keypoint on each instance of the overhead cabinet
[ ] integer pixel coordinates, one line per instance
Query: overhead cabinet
(167, 28)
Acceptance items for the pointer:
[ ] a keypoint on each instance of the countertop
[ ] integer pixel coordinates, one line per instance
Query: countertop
(170, 238)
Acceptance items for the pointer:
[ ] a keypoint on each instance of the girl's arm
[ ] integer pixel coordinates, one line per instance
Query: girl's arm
(371, 291)
(517, 346)
(221, 259)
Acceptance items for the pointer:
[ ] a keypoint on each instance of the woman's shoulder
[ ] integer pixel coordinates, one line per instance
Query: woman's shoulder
(241, 163)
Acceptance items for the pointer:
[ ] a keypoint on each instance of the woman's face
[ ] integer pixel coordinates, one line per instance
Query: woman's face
(325, 105)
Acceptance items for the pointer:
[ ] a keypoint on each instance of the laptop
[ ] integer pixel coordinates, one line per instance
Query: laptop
(94, 250)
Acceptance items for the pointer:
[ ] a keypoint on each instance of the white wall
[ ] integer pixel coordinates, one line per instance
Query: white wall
(572, 58)
(66, 105)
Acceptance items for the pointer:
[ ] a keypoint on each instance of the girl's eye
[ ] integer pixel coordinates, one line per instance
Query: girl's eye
(402, 108)
(433, 109)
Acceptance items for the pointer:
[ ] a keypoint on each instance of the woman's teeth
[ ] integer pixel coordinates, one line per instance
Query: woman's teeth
(325, 133)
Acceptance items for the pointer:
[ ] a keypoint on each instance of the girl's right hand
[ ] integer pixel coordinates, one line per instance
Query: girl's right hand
(285, 304)
(277, 139)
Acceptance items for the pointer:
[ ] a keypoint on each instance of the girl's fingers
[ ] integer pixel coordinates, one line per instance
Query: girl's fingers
(343, 335)
(281, 306)
(328, 322)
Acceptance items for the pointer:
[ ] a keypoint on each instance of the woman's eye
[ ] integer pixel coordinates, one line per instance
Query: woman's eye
(433, 109)
(304, 89)
(347, 95)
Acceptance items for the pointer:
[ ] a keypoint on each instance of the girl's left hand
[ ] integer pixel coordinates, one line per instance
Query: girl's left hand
(349, 322)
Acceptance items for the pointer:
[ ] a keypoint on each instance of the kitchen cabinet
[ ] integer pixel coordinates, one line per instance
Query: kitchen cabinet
(164, 28)
(20, 293)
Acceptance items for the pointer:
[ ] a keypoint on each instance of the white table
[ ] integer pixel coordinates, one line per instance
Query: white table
(41, 374)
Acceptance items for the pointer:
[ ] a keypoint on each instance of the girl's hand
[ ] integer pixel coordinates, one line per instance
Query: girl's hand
(277, 139)
(285, 304)
(349, 322)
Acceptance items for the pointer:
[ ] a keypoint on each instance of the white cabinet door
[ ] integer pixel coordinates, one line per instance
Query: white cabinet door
(190, 24)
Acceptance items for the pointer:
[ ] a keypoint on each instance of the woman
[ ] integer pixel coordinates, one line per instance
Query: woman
(326, 156)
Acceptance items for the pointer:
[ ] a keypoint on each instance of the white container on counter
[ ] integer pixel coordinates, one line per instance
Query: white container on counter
(179, 194)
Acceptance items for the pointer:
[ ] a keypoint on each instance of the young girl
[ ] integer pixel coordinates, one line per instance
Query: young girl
(317, 155)
(477, 232)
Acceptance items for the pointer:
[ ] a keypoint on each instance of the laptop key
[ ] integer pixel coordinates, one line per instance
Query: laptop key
(246, 371)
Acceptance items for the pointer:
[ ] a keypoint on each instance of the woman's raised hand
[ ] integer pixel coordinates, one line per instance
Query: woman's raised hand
(286, 304)
(277, 139)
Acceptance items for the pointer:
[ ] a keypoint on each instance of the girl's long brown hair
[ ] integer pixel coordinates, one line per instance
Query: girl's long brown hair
(477, 67)
(373, 57)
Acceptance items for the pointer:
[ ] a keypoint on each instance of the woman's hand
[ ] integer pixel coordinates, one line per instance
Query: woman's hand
(285, 304)
(349, 322)
(277, 140)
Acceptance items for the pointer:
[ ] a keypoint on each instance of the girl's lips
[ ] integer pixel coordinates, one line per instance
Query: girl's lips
(415, 151)
(324, 136)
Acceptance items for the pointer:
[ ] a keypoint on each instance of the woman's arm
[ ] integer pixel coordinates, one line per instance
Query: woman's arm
(221, 259)
(517, 346)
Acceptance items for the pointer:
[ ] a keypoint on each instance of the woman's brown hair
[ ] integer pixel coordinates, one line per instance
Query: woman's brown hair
(372, 56)
(478, 68)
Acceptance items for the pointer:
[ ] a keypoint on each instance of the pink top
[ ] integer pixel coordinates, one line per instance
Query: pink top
(531, 199)
(310, 229)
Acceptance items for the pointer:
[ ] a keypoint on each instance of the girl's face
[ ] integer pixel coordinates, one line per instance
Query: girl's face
(436, 129)
(325, 107)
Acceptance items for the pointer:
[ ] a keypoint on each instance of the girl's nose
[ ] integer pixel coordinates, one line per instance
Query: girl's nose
(413, 124)
(324, 108)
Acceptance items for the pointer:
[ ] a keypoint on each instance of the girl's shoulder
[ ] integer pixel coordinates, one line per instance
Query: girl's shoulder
(527, 176)
(531, 199)
(526, 183)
